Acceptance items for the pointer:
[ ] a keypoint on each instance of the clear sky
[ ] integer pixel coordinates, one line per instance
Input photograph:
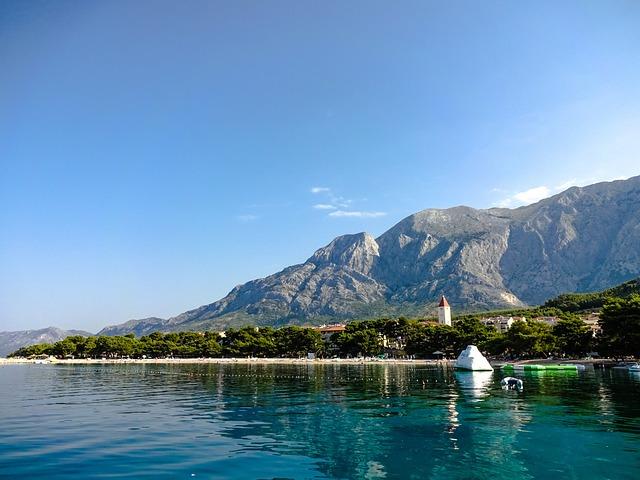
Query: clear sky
(153, 154)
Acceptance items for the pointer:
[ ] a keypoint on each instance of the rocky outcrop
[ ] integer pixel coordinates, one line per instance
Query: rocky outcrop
(582, 239)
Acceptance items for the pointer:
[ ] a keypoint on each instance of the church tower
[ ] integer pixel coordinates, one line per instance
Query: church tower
(444, 312)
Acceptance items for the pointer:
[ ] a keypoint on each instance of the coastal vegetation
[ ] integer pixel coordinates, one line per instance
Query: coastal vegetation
(577, 302)
(393, 337)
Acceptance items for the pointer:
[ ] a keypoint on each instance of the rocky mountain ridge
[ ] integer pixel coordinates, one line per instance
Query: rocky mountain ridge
(583, 239)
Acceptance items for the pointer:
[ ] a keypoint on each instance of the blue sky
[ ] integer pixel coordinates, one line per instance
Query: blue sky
(153, 154)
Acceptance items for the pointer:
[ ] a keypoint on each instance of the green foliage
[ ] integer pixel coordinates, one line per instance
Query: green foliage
(249, 342)
(530, 339)
(576, 302)
(32, 350)
(471, 331)
(620, 322)
(359, 341)
(296, 341)
(426, 339)
(573, 337)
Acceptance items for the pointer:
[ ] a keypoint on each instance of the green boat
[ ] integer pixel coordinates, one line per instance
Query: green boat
(547, 367)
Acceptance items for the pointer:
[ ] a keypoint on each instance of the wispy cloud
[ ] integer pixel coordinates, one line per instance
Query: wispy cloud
(536, 194)
(533, 194)
(246, 218)
(339, 206)
(358, 214)
(526, 197)
(324, 206)
(568, 184)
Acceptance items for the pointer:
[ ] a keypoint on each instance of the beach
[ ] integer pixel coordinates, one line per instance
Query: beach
(263, 361)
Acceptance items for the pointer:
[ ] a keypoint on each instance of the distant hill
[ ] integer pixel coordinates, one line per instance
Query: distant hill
(140, 327)
(11, 341)
(581, 240)
(576, 302)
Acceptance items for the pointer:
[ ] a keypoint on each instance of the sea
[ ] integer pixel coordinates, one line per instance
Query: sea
(315, 421)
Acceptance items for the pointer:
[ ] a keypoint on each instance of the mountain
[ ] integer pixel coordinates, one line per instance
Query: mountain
(140, 327)
(583, 239)
(11, 341)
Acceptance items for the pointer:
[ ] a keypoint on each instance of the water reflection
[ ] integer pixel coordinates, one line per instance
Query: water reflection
(316, 421)
(474, 384)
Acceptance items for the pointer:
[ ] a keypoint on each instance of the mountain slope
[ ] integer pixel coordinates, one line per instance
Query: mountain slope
(139, 327)
(583, 239)
(11, 341)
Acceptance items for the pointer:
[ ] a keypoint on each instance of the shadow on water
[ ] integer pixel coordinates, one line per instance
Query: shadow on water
(318, 421)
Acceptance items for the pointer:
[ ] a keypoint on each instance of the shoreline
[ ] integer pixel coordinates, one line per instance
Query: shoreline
(246, 361)
(447, 363)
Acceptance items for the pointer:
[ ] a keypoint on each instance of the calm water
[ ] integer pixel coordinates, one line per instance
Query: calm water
(331, 421)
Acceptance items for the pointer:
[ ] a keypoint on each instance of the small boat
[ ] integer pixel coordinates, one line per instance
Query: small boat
(512, 383)
(634, 367)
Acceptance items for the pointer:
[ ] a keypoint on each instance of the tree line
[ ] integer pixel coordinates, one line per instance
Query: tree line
(397, 337)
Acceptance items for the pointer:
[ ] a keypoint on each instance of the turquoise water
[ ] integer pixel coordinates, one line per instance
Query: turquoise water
(306, 421)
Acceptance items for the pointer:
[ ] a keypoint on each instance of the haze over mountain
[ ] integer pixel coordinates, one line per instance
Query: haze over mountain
(583, 239)
(11, 341)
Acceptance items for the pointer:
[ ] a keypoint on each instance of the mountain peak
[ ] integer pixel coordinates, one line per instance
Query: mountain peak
(357, 251)
(583, 239)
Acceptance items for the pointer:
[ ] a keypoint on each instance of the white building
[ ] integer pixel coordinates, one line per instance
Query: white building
(444, 312)
(501, 324)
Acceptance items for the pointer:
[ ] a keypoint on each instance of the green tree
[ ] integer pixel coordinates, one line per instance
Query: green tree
(249, 341)
(63, 348)
(573, 337)
(297, 341)
(531, 339)
(620, 322)
(366, 342)
(470, 331)
(423, 340)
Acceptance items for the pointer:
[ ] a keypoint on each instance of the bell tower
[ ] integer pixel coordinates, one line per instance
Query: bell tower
(444, 312)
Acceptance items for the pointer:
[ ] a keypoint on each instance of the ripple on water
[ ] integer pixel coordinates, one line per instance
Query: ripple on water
(325, 421)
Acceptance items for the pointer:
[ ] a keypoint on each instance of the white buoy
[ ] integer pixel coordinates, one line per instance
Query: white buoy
(471, 359)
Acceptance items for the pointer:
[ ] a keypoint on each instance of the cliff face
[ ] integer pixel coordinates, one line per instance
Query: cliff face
(580, 240)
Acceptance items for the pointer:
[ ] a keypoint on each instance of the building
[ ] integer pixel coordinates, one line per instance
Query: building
(551, 321)
(327, 330)
(593, 322)
(444, 312)
(501, 323)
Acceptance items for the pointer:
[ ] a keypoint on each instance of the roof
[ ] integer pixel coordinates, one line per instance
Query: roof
(331, 328)
(443, 302)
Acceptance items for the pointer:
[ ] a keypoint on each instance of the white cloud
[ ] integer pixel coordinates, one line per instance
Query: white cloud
(246, 218)
(533, 194)
(324, 206)
(568, 184)
(526, 197)
(333, 201)
(358, 214)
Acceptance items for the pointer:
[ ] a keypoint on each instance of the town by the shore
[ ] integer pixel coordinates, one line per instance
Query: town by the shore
(185, 361)
(445, 363)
